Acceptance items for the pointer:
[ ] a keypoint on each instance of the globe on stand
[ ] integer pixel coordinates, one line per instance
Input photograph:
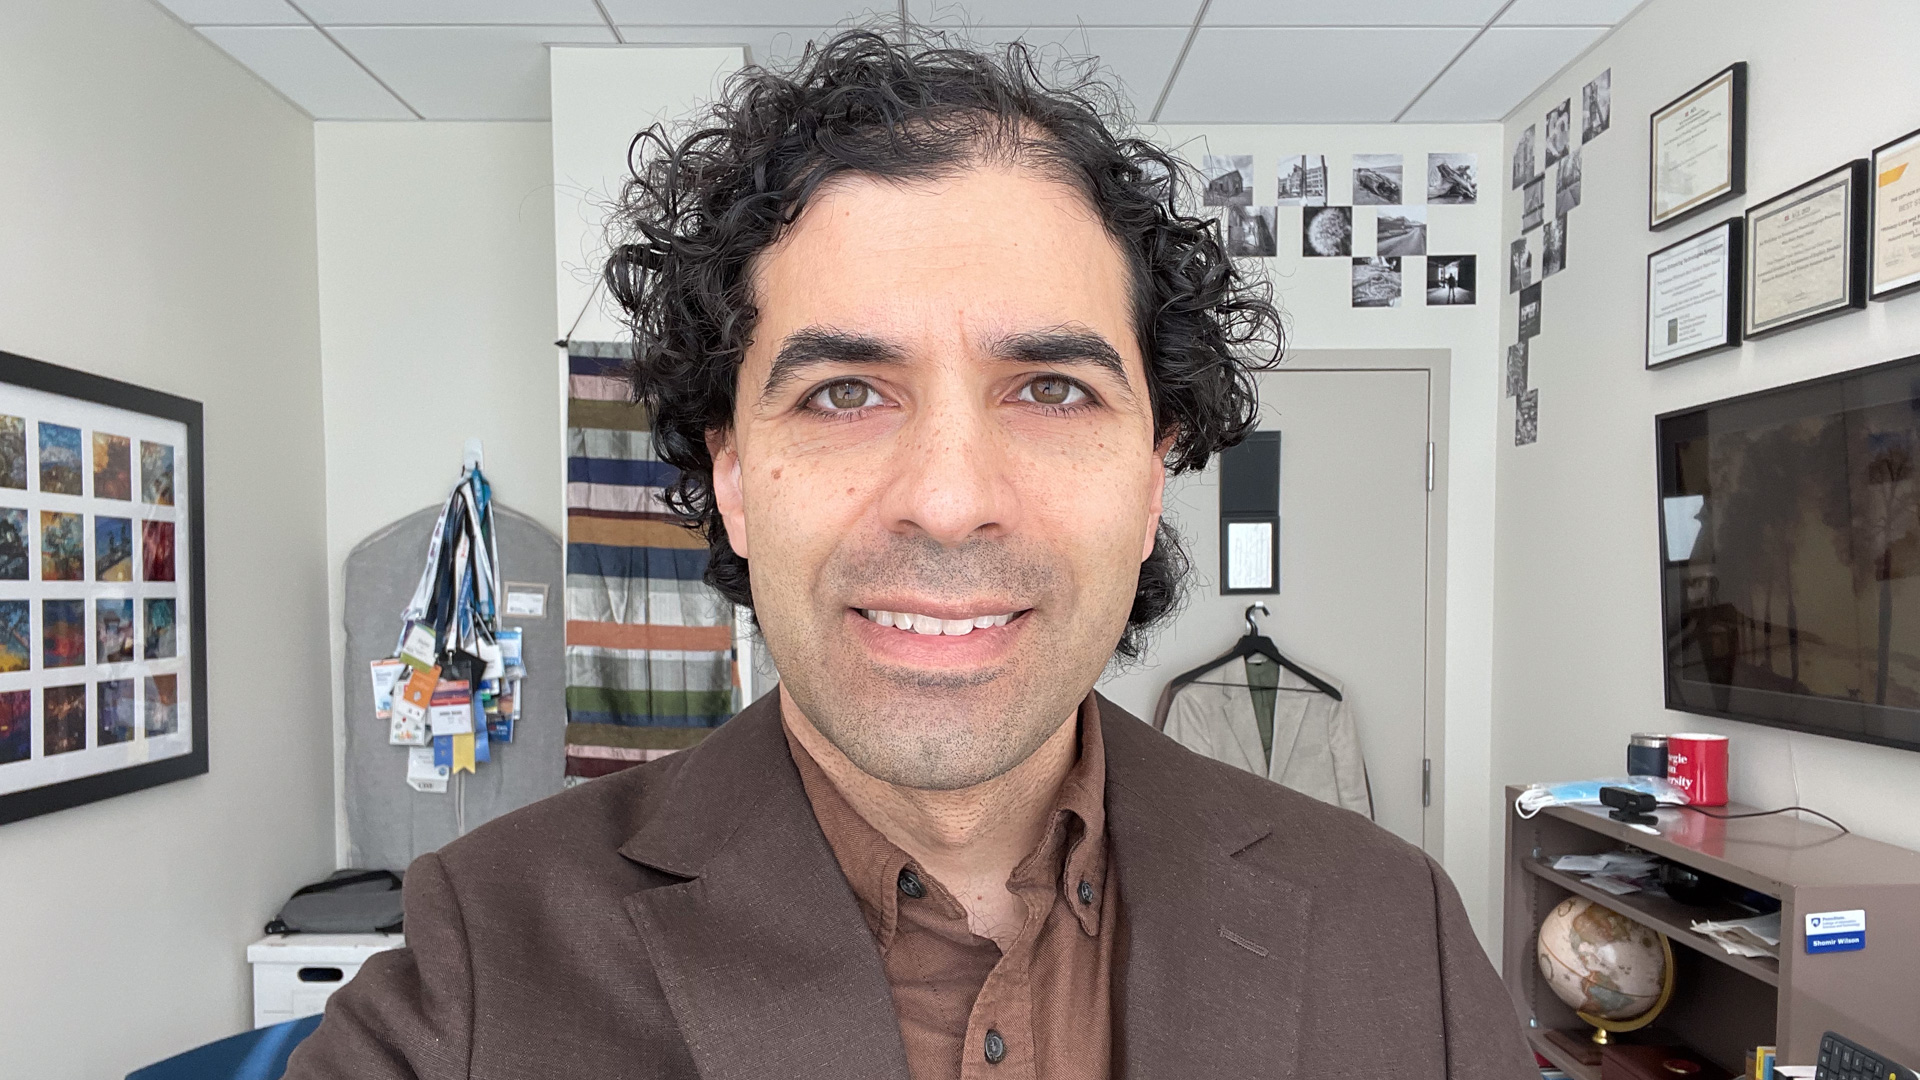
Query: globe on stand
(1613, 972)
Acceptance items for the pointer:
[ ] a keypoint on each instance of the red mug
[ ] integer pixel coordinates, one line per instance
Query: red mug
(1697, 765)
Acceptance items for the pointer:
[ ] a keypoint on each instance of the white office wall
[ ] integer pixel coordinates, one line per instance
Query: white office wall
(436, 312)
(1578, 647)
(156, 225)
(1315, 294)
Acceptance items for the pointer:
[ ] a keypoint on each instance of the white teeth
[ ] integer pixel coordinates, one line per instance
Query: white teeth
(931, 625)
(925, 624)
(956, 627)
(984, 621)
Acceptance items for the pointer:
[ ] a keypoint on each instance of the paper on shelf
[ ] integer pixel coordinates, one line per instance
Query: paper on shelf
(1610, 884)
(1756, 936)
(1580, 864)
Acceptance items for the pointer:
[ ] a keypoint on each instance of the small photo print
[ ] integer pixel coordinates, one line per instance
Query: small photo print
(1400, 230)
(112, 549)
(1526, 419)
(159, 636)
(59, 459)
(63, 633)
(1566, 184)
(1376, 282)
(1519, 265)
(13, 452)
(156, 551)
(64, 719)
(1553, 247)
(14, 541)
(1303, 180)
(16, 726)
(113, 630)
(1596, 106)
(112, 466)
(1533, 204)
(16, 635)
(1229, 180)
(1450, 280)
(115, 716)
(1326, 231)
(156, 473)
(1516, 369)
(1453, 178)
(1558, 130)
(163, 705)
(1377, 180)
(1523, 158)
(63, 546)
(1530, 311)
(1250, 232)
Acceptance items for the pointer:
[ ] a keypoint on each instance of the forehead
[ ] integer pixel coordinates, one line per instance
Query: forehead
(992, 248)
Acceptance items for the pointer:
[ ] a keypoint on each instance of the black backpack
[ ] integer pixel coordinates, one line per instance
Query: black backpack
(347, 902)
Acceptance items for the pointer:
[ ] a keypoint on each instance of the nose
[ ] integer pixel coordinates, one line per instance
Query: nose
(952, 481)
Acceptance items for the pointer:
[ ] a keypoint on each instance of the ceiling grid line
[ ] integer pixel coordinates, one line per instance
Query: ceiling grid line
(600, 7)
(1180, 61)
(325, 33)
(1442, 73)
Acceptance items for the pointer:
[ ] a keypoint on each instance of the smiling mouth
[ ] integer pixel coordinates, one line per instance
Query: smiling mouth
(932, 625)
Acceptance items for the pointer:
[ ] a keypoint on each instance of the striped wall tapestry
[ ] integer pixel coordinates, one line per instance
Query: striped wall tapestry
(649, 644)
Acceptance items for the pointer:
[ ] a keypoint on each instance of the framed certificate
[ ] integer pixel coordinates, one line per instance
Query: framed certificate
(1894, 266)
(1698, 149)
(1693, 295)
(1807, 252)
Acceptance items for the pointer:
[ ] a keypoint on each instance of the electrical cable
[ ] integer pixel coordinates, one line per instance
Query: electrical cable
(1766, 813)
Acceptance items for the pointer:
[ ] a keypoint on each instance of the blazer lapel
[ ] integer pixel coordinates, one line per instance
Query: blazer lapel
(1214, 968)
(762, 953)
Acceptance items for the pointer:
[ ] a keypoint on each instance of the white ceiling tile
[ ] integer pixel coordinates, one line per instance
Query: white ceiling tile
(1505, 66)
(1138, 58)
(764, 44)
(467, 72)
(945, 14)
(1351, 12)
(452, 12)
(301, 63)
(1306, 76)
(234, 12)
(746, 12)
(1567, 12)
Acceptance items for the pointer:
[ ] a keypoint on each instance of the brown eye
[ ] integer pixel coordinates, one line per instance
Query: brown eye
(1052, 390)
(849, 394)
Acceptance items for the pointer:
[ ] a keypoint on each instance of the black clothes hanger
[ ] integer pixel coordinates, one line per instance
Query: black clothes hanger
(1254, 643)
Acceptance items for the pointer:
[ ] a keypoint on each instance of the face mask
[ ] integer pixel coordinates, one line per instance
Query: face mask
(1587, 793)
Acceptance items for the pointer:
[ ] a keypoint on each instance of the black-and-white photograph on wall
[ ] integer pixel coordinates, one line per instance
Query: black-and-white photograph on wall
(1250, 232)
(1516, 369)
(1553, 246)
(1533, 204)
(1453, 179)
(1326, 231)
(1530, 311)
(1303, 180)
(1400, 230)
(1566, 184)
(1526, 418)
(1450, 280)
(1376, 282)
(1519, 265)
(1377, 180)
(1596, 106)
(1229, 180)
(1523, 158)
(1559, 128)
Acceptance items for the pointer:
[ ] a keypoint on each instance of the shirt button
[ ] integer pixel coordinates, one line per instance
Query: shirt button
(1086, 893)
(911, 884)
(996, 1047)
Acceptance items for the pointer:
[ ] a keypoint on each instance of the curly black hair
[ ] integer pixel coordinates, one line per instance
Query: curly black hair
(700, 206)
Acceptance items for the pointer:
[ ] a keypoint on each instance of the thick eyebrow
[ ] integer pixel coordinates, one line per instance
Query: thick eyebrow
(815, 345)
(1063, 347)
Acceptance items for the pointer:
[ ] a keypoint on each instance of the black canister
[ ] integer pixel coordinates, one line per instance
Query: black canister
(1647, 755)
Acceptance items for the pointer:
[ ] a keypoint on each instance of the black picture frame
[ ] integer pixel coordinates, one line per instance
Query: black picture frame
(1737, 147)
(1875, 290)
(1855, 179)
(84, 386)
(1250, 495)
(1735, 275)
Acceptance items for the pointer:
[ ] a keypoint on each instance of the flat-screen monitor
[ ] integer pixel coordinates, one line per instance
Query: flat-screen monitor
(1790, 556)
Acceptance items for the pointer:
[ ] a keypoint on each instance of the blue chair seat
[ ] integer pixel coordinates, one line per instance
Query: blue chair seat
(260, 1054)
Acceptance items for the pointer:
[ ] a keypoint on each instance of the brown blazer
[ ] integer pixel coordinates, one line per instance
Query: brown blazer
(686, 918)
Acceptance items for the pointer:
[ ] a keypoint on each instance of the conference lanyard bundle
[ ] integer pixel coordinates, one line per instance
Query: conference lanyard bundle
(453, 687)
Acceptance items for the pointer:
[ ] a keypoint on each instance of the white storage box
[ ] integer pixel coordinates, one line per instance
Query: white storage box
(294, 974)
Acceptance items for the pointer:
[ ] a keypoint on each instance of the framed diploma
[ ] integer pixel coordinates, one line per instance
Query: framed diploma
(1693, 295)
(1807, 252)
(1894, 266)
(1699, 149)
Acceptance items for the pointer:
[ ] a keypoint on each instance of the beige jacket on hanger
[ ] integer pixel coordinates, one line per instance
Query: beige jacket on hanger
(1316, 747)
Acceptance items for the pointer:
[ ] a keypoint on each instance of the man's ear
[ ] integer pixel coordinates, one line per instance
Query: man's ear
(1156, 500)
(727, 494)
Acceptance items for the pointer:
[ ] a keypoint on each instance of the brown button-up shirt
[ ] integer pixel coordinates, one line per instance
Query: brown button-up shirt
(967, 1011)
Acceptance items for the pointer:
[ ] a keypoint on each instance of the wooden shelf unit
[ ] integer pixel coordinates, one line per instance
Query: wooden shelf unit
(1724, 1005)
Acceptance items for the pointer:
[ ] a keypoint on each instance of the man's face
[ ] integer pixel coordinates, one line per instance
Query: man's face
(943, 417)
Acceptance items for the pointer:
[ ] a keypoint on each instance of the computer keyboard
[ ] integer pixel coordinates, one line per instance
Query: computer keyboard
(1844, 1059)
